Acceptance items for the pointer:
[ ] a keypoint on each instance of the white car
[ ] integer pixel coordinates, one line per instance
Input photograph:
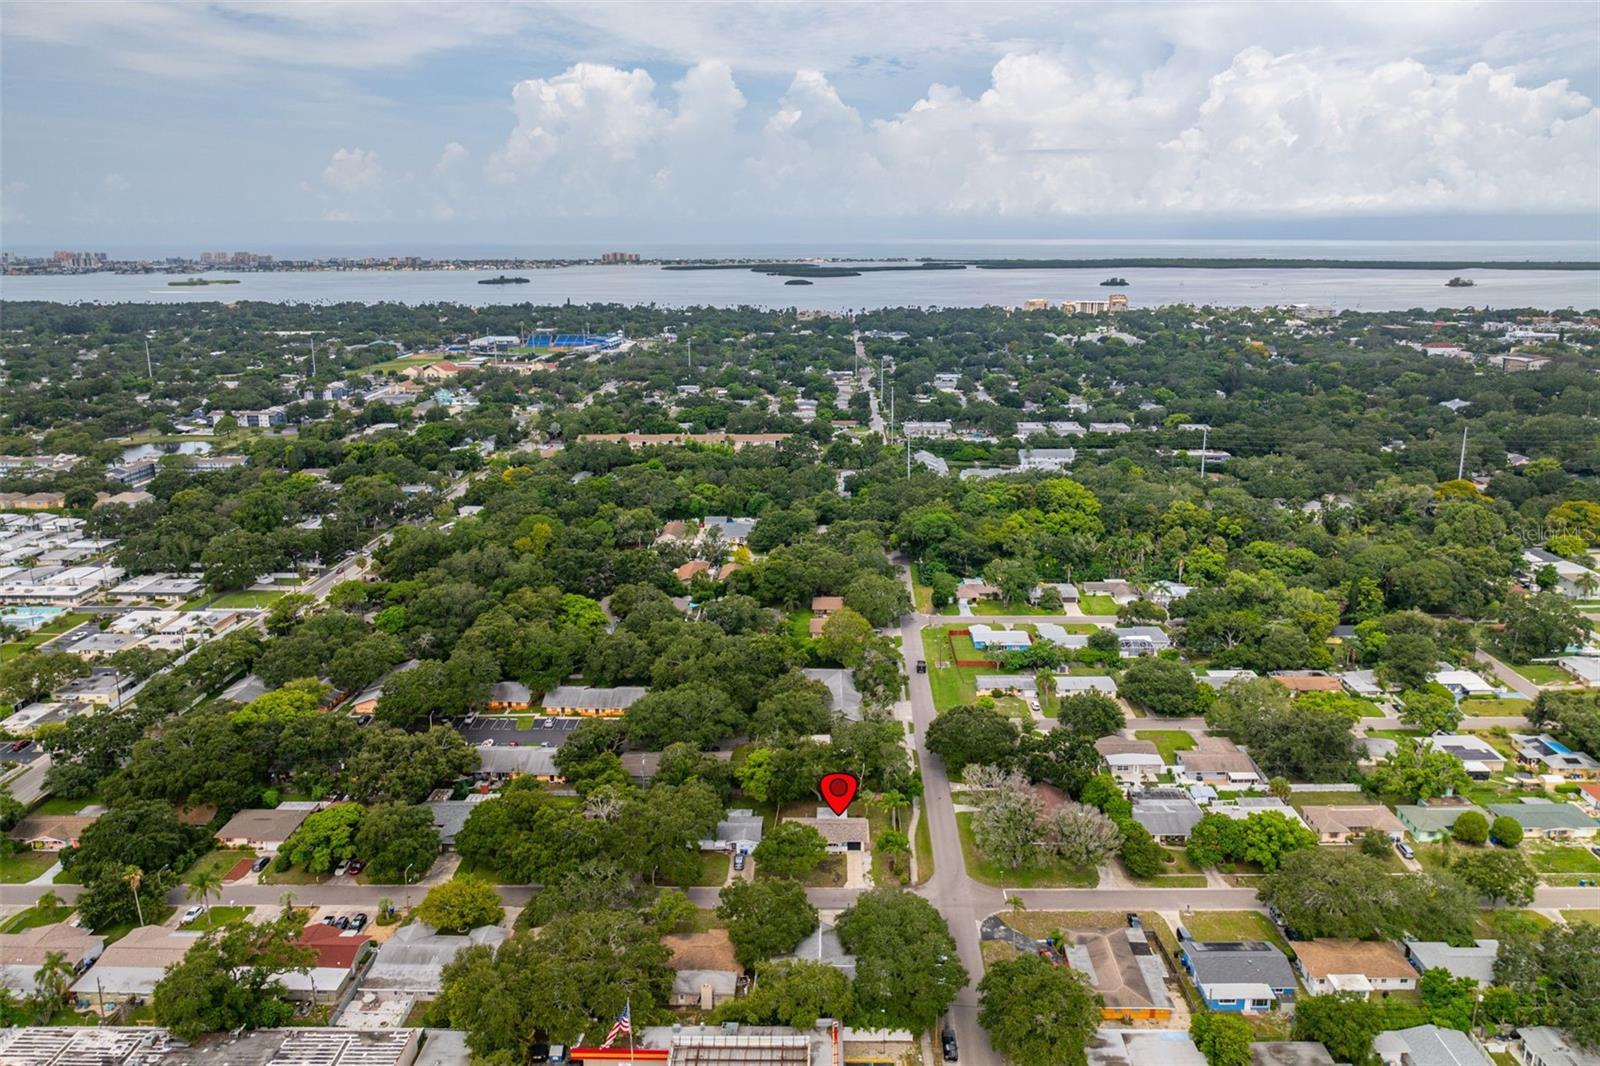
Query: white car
(191, 914)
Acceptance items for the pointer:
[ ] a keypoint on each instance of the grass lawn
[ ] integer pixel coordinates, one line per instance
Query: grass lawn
(1334, 799)
(56, 805)
(246, 599)
(1096, 604)
(1395, 734)
(1544, 673)
(922, 843)
(34, 917)
(921, 597)
(994, 951)
(1053, 875)
(221, 861)
(713, 870)
(1498, 924)
(1234, 925)
(1177, 872)
(24, 866)
(830, 873)
(1040, 924)
(989, 608)
(1573, 916)
(1562, 860)
(1494, 707)
(1168, 741)
(218, 916)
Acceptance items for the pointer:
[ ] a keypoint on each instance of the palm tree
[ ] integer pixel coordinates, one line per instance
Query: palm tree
(205, 884)
(895, 847)
(52, 980)
(1279, 787)
(1016, 904)
(894, 799)
(48, 901)
(135, 877)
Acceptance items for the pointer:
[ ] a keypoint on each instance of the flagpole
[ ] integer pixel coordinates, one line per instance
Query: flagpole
(630, 1028)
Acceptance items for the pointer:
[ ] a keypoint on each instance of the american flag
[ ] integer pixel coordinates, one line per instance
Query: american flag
(623, 1026)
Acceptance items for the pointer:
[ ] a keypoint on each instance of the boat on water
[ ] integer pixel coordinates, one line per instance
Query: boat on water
(503, 279)
(192, 282)
(1115, 283)
(1460, 283)
(797, 281)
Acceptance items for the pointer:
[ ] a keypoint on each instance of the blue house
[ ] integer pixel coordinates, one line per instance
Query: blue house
(1238, 977)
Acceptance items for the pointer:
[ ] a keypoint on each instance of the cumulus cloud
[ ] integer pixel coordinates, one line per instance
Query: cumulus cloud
(1297, 132)
(353, 171)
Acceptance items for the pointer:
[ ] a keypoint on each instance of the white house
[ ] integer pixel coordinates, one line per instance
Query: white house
(1130, 761)
(985, 638)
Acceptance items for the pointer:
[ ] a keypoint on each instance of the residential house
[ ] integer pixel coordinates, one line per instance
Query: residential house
(130, 968)
(1290, 1053)
(1217, 761)
(1345, 825)
(23, 953)
(1299, 682)
(1168, 814)
(588, 701)
(51, 832)
(1242, 807)
(927, 430)
(825, 606)
(1072, 684)
(1166, 593)
(1220, 679)
(1545, 755)
(1124, 969)
(1586, 668)
(1424, 1044)
(842, 832)
(706, 972)
(1238, 977)
(1548, 821)
(1134, 641)
(263, 829)
(1057, 634)
(1119, 590)
(366, 701)
(1067, 591)
(1480, 759)
(1588, 798)
(972, 588)
(413, 959)
(740, 830)
(333, 966)
(1462, 683)
(1432, 819)
(1130, 761)
(822, 945)
(1353, 966)
(689, 570)
(730, 530)
(1544, 1045)
(1573, 580)
(1024, 685)
(1143, 1047)
(450, 815)
(844, 697)
(1363, 683)
(987, 638)
(1476, 961)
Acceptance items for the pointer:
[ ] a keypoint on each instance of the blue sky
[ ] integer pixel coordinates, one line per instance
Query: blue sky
(249, 124)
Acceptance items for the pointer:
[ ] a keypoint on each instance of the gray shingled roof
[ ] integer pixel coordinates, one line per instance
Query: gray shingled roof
(1239, 962)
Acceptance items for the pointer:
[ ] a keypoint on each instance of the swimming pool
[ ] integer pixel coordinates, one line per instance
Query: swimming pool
(29, 619)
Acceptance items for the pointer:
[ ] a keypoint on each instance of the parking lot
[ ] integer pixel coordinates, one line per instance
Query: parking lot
(519, 729)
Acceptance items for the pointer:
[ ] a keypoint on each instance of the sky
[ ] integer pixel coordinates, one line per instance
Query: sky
(249, 124)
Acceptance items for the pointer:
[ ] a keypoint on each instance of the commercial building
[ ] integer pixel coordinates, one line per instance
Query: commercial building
(589, 701)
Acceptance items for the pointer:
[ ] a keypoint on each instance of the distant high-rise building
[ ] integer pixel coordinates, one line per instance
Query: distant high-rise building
(620, 257)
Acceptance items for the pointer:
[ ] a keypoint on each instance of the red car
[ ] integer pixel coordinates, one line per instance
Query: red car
(356, 866)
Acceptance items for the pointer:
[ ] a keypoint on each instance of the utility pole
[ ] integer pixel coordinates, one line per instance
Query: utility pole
(691, 353)
(313, 355)
(1205, 441)
(1461, 467)
(149, 367)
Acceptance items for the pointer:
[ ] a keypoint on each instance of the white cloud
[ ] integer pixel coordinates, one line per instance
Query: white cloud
(353, 171)
(1293, 133)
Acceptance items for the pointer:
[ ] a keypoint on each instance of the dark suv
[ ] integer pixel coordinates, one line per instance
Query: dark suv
(948, 1039)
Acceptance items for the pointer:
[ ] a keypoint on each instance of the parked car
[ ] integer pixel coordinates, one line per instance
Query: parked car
(330, 919)
(922, 666)
(343, 922)
(738, 860)
(948, 1040)
(1596, 849)
(339, 871)
(548, 723)
(363, 719)
(192, 913)
(358, 922)
(489, 743)
(1404, 849)
(261, 864)
(356, 866)
(1134, 921)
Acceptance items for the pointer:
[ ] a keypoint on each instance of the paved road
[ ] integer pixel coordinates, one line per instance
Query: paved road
(1508, 677)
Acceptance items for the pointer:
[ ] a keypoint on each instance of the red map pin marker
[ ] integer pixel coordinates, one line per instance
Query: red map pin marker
(838, 790)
